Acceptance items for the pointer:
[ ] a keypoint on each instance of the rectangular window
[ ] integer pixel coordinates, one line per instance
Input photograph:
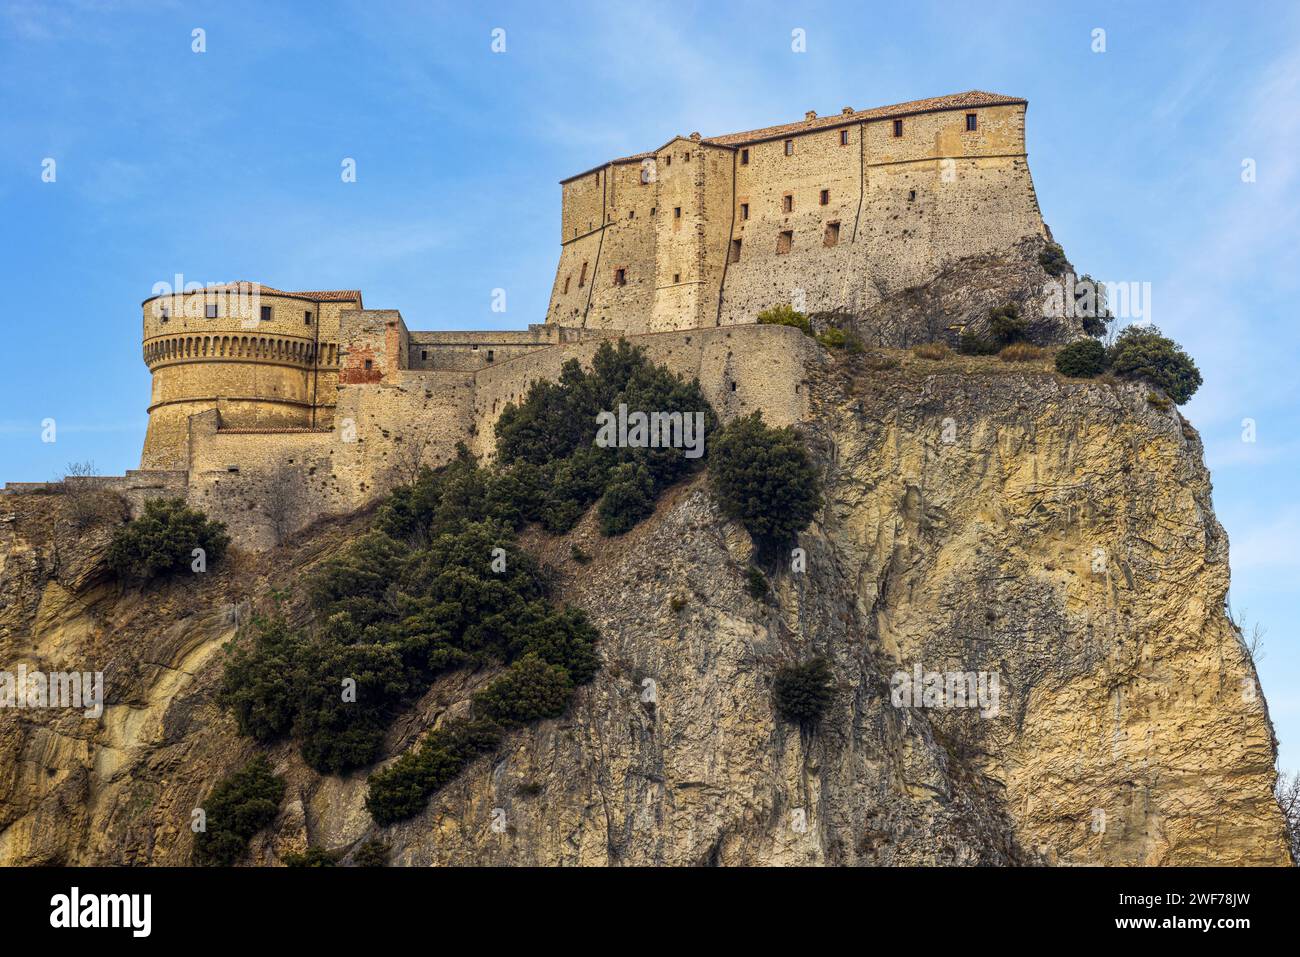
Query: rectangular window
(677, 277)
(266, 313)
(784, 241)
(789, 147)
(824, 197)
(582, 276)
(677, 212)
(898, 127)
(687, 158)
(735, 251)
(911, 195)
(972, 122)
(744, 157)
(424, 354)
(166, 313)
(668, 160)
(620, 277)
(787, 203)
(210, 310)
(306, 318)
(370, 364)
(491, 355)
(566, 284)
(844, 137)
(832, 236)
(744, 210)
(631, 214)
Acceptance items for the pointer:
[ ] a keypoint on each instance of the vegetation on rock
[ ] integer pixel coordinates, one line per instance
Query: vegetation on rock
(762, 477)
(1141, 352)
(803, 692)
(240, 806)
(1082, 359)
(163, 539)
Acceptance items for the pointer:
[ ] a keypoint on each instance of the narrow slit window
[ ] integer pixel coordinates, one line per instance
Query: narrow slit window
(911, 195)
(306, 318)
(491, 355)
(744, 210)
(787, 203)
(784, 241)
(972, 122)
(620, 277)
(789, 147)
(677, 212)
(744, 157)
(844, 137)
(832, 237)
(735, 251)
(582, 276)
(424, 355)
(677, 277)
(566, 284)
(824, 197)
(898, 127)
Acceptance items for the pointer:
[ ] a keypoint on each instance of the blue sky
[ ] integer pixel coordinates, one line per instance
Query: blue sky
(226, 165)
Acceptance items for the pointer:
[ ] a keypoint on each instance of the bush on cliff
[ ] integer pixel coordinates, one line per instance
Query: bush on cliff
(1052, 259)
(557, 454)
(1005, 324)
(972, 344)
(763, 478)
(803, 692)
(163, 539)
(1141, 352)
(238, 807)
(402, 789)
(786, 315)
(1082, 359)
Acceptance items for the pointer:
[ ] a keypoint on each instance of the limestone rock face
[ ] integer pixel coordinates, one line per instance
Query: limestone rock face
(1054, 538)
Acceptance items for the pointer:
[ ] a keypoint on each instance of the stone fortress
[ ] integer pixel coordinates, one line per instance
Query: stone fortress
(261, 394)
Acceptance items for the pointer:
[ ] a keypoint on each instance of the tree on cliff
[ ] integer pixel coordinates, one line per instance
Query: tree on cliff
(1141, 352)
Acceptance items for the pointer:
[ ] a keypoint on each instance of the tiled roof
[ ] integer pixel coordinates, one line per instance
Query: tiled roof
(319, 295)
(953, 101)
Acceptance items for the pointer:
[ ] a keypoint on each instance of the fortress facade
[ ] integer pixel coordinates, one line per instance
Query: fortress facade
(261, 394)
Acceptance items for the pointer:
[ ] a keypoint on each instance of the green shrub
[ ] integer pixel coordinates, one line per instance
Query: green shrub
(756, 584)
(1052, 259)
(629, 497)
(763, 478)
(312, 857)
(1143, 353)
(530, 689)
(373, 853)
(972, 344)
(836, 338)
(1082, 359)
(1005, 324)
(786, 315)
(238, 807)
(803, 692)
(402, 789)
(162, 541)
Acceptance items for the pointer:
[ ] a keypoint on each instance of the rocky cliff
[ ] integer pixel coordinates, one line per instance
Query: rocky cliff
(1052, 539)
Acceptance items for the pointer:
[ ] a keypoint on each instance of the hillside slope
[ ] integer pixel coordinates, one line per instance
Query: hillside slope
(980, 517)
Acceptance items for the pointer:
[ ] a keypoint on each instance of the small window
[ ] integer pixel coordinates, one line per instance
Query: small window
(306, 318)
(733, 386)
(898, 127)
(266, 313)
(210, 310)
(424, 355)
(784, 242)
(824, 197)
(735, 251)
(653, 210)
(844, 137)
(645, 174)
(744, 157)
(832, 236)
(744, 210)
(620, 277)
(631, 214)
(491, 355)
(677, 212)
(566, 284)
(972, 122)
(370, 364)
(582, 276)
(787, 203)
(668, 160)
(789, 147)
(911, 195)
(165, 314)
(677, 277)
(687, 157)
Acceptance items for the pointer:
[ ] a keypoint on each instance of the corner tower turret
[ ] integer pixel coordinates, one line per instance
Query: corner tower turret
(262, 357)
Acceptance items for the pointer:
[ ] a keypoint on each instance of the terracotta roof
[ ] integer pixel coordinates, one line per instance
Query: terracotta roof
(933, 104)
(319, 295)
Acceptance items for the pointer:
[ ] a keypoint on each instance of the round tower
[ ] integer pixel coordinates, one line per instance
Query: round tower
(258, 356)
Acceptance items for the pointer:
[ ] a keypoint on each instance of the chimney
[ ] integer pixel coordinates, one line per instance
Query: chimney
(847, 111)
(695, 137)
(810, 115)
